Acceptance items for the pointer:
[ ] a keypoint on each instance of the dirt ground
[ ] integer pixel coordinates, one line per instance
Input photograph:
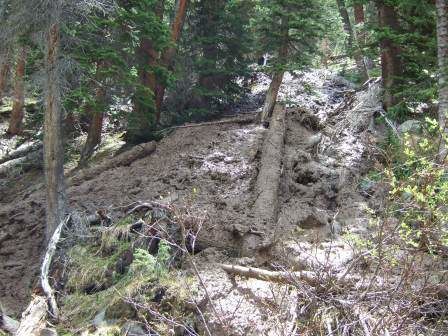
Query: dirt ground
(214, 169)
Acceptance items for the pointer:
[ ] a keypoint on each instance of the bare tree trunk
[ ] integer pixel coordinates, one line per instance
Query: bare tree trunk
(17, 114)
(352, 46)
(141, 121)
(96, 122)
(4, 71)
(442, 40)
(53, 142)
(167, 56)
(390, 53)
(277, 79)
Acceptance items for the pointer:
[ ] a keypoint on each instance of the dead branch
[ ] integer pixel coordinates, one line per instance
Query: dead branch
(53, 307)
(148, 205)
(123, 159)
(282, 277)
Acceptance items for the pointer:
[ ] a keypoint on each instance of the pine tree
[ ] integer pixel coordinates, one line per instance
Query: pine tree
(289, 30)
(442, 34)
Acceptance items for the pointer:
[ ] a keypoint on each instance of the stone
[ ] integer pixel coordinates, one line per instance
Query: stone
(132, 328)
(410, 126)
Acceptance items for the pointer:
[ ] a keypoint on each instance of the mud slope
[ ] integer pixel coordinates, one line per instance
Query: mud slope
(210, 167)
(216, 169)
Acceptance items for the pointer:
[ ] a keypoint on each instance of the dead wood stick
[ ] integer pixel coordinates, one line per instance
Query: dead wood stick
(272, 276)
(53, 307)
(33, 318)
(220, 122)
(148, 205)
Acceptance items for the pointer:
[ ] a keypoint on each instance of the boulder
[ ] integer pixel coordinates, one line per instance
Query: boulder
(410, 126)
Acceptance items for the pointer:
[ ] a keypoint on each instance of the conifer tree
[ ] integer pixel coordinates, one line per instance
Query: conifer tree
(289, 30)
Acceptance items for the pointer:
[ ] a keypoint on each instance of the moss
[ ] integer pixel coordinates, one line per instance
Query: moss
(90, 267)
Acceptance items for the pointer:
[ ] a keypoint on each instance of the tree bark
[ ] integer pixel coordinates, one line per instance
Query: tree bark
(277, 79)
(53, 142)
(96, 121)
(442, 40)
(17, 114)
(351, 45)
(4, 71)
(390, 53)
(168, 54)
(141, 122)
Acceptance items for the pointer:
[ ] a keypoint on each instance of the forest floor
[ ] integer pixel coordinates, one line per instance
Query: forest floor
(296, 213)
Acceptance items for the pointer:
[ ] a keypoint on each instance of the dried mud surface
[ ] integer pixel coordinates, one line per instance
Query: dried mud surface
(214, 170)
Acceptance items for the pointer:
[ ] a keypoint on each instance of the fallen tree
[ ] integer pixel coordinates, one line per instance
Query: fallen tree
(32, 159)
(268, 182)
(22, 150)
(123, 159)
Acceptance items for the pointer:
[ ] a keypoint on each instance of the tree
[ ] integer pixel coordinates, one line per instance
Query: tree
(442, 38)
(144, 22)
(353, 43)
(168, 53)
(4, 72)
(53, 141)
(289, 30)
(391, 65)
(17, 113)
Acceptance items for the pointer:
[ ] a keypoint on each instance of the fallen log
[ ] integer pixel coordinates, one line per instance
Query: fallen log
(281, 277)
(22, 150)
(268, 182)
(27, 162)
(33, 318)
(123, 159)
(238, 120)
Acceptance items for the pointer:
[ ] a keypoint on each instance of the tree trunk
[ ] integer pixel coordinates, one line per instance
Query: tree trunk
(53, 142)
(277, 79)
(352, 48)
(96, 122)
(168, 54)
(442, 40)
(141, 121)
(390, 53)
(4, 70)
(17, 114)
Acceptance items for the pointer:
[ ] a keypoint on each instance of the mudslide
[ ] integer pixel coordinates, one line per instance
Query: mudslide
(281, 197)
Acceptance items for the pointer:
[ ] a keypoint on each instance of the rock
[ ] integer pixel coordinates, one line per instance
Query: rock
(314, 220)
(48, 332)
(132, 328)
(410, 126)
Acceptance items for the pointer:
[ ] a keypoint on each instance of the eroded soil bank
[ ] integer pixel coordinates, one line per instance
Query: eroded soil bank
(292, 214)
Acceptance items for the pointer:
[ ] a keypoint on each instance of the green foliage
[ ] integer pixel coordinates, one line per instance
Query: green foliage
(419, 190)
(304, 24)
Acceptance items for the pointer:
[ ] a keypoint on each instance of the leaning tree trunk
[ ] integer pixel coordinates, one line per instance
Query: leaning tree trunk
(96, 120)
(168, 54)
(53, 142)
(4, 70)
(442, 40)
(390, 53)
(17, 114)
(277, 79)
(351, 45)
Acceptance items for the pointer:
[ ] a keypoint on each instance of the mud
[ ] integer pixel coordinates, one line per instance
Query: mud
(215, 170)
